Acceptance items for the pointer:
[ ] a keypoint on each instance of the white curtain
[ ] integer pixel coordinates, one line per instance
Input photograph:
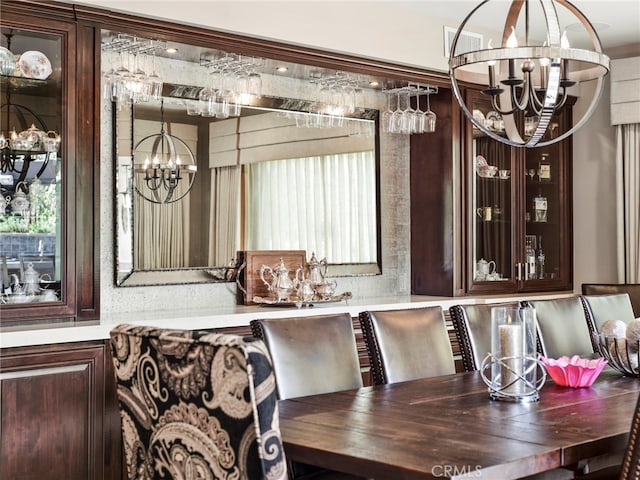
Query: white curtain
(224, 221)
(322, 204)
(628, 202)
(161, 231)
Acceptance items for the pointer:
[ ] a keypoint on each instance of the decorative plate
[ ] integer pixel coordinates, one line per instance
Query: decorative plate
(34, 64)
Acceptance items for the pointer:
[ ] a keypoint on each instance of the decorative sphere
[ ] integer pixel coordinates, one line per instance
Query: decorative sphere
(613, 328)
(633, 333)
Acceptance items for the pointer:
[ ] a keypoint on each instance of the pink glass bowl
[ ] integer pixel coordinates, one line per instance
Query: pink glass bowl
(573, 372)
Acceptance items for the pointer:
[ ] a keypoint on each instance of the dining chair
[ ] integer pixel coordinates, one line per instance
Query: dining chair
(311, 355)
(562, 327)
(633, 289)
(407, 344)
(472, 326)
(600, 308)
(196, 405)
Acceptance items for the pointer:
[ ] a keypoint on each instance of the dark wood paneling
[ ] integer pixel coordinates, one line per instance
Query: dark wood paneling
(52, 410)
(87, 192)
(433, 219)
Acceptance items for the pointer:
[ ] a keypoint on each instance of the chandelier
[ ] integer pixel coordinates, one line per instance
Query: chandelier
(532, 71)
(169, 168)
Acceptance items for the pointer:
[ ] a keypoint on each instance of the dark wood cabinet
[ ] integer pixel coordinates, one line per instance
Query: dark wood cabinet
(53, 413)
(517, 208)
(470, 228)
(63, 103)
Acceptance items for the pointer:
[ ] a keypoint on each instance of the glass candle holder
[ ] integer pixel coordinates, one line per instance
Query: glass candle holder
(513, 361)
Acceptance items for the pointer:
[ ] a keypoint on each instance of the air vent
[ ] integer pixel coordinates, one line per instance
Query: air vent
(468, 41)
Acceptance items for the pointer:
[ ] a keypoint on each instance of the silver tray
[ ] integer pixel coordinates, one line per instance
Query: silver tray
(269, 302)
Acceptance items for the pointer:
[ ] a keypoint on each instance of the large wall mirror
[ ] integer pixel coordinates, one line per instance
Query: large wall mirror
(217, 152)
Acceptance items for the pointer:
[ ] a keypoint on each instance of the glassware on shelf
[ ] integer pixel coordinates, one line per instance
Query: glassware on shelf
(540, 209)
(540, 258)
(530, 259)
(544, 168)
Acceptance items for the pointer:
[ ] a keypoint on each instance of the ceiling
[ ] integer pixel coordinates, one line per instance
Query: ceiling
(617, 22)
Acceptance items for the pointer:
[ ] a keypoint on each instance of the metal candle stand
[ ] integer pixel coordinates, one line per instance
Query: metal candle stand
(511, 368)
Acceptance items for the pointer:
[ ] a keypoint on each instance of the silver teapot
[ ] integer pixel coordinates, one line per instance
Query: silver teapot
(278, 281)
(316, 270)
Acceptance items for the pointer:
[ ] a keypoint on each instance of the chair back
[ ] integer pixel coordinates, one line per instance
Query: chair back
(600, 308)
(407, 344)
(472, 326)
(196, 405)
(632, 289)
(631, 461)
(562, 327)
(311, 355)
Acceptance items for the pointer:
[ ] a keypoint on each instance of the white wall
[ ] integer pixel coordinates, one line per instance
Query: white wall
(382, 31)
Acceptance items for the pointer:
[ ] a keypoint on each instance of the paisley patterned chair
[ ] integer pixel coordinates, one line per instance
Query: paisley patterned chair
(196, 405)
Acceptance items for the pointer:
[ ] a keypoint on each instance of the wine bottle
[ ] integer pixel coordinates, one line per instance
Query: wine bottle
(530, 258)
(540, 258)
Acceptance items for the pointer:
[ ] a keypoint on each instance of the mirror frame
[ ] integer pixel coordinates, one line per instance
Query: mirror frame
(215, 274)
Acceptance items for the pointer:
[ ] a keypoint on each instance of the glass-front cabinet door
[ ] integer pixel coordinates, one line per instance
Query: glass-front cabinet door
(36, 165)
(493, 206)
(518, 210)
(546, 199)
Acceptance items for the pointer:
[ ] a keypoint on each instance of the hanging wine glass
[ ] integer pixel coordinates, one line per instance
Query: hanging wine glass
(420, 117)
(386, 116)
(407, 116)
(155, 82)
(430, 121)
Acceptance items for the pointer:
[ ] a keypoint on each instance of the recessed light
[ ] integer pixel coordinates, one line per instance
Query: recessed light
(374, 83)
(171, 50)
(281, 69)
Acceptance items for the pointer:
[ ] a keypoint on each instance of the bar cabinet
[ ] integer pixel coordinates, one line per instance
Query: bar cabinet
(517, 208)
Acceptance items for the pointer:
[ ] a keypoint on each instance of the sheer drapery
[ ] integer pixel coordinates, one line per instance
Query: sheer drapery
(322, 204)
(628, 201)
(224, 222)
(161, 231)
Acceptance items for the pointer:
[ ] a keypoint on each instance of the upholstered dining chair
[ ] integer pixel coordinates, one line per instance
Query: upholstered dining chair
(407, 344)
(632, 289)
(196, 405)
(311, 355)
(472, 326)
(600, 308)
(562, 327)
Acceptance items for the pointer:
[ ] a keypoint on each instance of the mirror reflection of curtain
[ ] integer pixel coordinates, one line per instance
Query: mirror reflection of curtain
(224, 224)
(322, 204)
(494, 237)
(161, 231)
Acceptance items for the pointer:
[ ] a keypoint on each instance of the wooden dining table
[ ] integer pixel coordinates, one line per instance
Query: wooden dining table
(447, 427)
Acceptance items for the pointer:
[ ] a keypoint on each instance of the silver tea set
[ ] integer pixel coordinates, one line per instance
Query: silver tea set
(308, 284)
(30, 290)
